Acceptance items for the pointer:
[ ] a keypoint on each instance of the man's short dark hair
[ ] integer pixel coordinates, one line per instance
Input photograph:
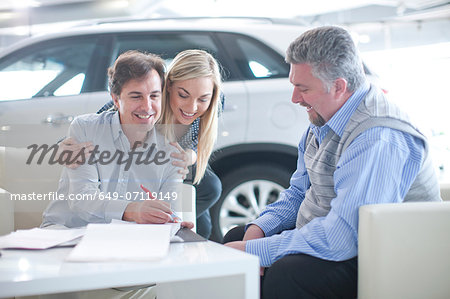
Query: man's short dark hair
(133, 65)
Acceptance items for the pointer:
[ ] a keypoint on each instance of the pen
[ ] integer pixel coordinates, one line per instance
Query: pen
(173, 216)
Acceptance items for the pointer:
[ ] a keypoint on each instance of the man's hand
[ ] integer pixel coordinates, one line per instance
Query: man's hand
(187, 224)
(70, 146)
(240, 245)
(149, 211)
(184, 158)
(253, 232)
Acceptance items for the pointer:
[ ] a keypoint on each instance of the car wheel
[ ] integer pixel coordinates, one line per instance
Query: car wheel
(246, 192)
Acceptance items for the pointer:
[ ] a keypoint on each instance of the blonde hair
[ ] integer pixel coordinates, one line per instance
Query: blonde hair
(192, 64)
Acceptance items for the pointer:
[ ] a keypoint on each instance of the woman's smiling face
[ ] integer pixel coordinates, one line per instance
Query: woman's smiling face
(190, 99)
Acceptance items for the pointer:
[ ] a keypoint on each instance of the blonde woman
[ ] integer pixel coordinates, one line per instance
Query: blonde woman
(191, 101)
(190, 108)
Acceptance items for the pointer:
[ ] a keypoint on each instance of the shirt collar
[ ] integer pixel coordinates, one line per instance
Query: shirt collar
(117, 132)
(116, 128)
(340, 119)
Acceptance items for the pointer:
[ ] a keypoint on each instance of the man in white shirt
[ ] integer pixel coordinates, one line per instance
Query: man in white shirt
(128, 153)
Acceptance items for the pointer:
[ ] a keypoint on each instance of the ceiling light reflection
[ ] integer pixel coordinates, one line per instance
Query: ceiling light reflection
(25, 4)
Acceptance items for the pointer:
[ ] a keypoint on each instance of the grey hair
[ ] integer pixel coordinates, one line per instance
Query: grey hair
(331, 53)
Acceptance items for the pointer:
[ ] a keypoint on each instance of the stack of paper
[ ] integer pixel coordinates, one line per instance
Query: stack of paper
(174, 228)
(39, 238)
(117, 242)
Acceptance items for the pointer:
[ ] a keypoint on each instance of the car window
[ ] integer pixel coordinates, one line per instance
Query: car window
(260, 63)
(55, 68)
(169, 44)
(253, 58)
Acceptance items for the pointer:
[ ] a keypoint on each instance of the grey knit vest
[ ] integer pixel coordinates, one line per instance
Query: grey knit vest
(373, 111)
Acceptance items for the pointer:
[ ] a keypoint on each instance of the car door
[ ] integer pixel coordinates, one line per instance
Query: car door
(272, 118)
(44, 86)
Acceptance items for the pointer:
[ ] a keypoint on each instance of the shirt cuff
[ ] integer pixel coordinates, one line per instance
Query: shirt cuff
(268, 224)
(115, 209)
(265, 248)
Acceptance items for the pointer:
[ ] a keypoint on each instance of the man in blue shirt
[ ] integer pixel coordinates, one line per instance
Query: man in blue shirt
(359, 149)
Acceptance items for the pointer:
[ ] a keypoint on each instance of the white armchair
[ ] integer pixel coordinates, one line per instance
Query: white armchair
(188, 205)
(6, 213)
(404, 251)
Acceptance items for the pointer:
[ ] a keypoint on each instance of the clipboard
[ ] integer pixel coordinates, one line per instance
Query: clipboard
(188, 235)
(178, 234)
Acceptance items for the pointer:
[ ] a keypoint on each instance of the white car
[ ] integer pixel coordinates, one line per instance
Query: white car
(47, 80)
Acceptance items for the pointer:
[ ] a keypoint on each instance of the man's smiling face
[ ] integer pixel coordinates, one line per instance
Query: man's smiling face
(139, 102)
(311, 93)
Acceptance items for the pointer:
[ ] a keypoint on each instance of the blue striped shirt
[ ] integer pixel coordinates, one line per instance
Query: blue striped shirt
(379, 166)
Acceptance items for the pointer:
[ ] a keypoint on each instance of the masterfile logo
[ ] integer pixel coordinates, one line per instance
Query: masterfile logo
(149, 154)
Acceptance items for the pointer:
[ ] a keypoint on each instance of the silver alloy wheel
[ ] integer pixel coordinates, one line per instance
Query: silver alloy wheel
(246, 201)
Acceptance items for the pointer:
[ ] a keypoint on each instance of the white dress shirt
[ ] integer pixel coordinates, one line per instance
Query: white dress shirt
(100, 189)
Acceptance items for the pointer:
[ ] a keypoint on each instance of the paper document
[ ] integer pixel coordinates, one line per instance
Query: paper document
(39, 238)
(118, 242)
(178, 234)
(174, 227)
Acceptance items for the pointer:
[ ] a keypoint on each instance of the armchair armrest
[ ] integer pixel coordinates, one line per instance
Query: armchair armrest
(404, 250)
(188, 194)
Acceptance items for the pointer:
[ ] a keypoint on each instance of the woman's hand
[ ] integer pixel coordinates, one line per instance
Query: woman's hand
(73, 153)
(184, 158)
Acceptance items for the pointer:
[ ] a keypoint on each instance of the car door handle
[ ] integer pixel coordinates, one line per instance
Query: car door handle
(58, 119)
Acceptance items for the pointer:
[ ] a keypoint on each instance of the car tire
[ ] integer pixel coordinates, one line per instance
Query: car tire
(245, 193)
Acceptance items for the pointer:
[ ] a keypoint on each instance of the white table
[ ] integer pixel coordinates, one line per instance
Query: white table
(191, 270)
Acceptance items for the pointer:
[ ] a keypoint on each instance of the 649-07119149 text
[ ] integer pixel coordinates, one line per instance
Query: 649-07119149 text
(132, 196)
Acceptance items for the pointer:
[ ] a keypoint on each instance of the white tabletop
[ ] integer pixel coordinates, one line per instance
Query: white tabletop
(28, 272)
